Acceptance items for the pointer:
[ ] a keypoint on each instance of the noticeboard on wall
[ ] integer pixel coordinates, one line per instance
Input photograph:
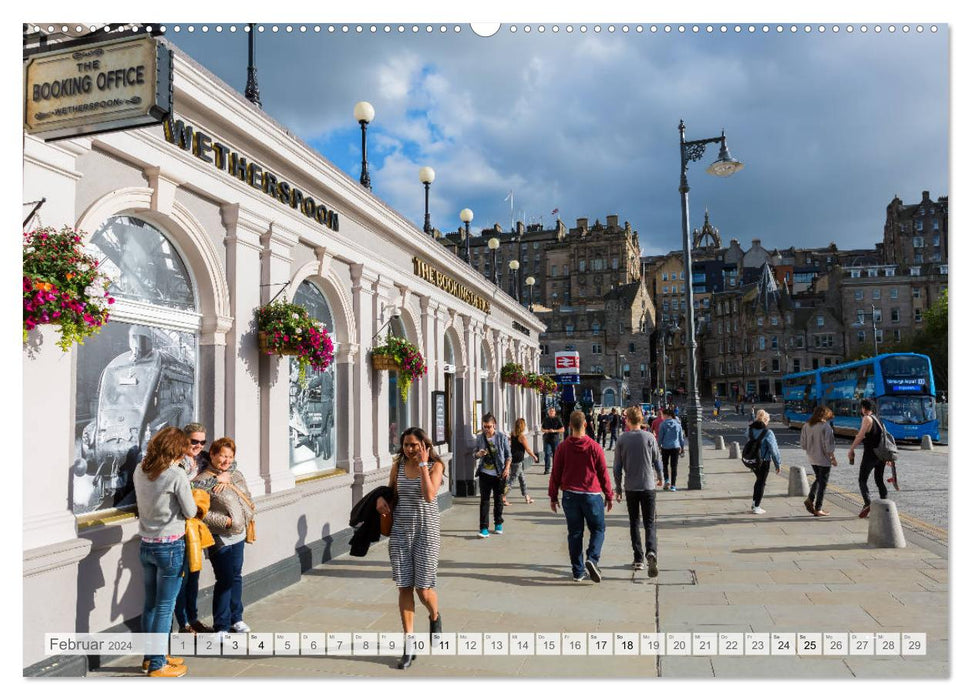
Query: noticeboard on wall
(439, 418)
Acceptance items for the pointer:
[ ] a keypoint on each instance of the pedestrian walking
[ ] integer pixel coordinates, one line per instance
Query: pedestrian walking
(671, 438)
(416, 532)
(602, 419)
(639, 458)
(614, 425)
(165, 502)
(519, 448)
(495, 460)
(553, 430)
(768, 454)
(869, 434)
(230, 512)
(818, 441)
(656, 423)
(580, 470)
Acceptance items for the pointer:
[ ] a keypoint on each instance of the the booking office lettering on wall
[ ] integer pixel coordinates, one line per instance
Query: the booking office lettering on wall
(255, 175)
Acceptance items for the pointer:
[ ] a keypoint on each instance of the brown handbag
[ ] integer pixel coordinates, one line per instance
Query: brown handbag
(251, 525)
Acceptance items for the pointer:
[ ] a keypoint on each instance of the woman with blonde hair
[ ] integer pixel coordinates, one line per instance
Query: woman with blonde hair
(768, 453)
(519, 444)
(164, 500)
(818, 441)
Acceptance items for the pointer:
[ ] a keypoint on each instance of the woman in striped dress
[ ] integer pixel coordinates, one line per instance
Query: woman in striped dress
(416, 476)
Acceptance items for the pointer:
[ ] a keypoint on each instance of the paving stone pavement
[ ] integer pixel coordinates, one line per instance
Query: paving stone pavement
(723, 569)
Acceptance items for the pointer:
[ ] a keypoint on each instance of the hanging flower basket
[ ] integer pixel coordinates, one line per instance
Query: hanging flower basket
(287, 329)
(513, 373)
(62, 286)
(545, 384)
(400, 355)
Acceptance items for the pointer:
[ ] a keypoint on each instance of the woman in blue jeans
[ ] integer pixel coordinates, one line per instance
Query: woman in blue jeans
(164, 500)
(229, 514)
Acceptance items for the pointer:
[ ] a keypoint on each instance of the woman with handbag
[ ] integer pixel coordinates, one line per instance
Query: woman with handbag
(519, 446)
(230, 518)
(416, 476)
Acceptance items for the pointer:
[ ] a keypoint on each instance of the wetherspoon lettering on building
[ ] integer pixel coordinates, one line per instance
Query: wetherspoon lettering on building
(520, 327)
(224, 158)
(450, 285)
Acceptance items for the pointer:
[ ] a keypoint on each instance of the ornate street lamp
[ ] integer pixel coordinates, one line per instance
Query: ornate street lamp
(427, 177)
(252, 88)
(494, 247)
(530, 281)
(466, 215)
(364, 115)
(723, 167)
(514, 274)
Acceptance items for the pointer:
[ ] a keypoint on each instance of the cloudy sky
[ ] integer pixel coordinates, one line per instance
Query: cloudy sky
(829, 125)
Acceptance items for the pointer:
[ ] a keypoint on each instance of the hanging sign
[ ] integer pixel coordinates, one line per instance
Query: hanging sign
(113, 85)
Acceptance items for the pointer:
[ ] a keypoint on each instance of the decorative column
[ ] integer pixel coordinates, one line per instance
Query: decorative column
(430, 349)
(495, 378)
(363, 442)
(277, 251)
(466, 391)
(348, 359)
(383, 297)
(244, 417)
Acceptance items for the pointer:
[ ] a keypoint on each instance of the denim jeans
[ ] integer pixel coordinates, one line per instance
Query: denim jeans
(227, 594)
(579, 508)
(640, 504)
(490, 485)
(517, 471)
(548, 449)
(186, 603)
(162, 570)
(818, 489)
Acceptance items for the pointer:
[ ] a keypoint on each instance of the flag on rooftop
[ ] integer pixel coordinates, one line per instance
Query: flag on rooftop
(555, 212)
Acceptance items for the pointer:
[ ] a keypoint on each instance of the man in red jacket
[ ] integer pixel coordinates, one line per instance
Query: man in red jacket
(580, 470)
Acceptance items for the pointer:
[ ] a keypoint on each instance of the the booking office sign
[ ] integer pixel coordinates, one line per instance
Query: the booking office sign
(102, 87)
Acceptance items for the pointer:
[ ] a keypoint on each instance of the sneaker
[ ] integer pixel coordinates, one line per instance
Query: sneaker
(483, 532)
(865, 512)
(240, 627)
(222, 637)
(169, 671)
(170, 660)
(652, 565)
(757, 510)
(200, 627)
(593, 571)
(638, 566)
(579, 579)
(498, 529)
(667, 486)
(673, 488)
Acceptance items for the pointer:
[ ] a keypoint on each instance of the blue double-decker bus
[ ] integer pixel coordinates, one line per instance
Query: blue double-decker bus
(901, 385)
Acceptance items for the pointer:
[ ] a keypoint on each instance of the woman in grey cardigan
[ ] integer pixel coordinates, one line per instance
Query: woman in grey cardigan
(231, 509)
(165, 502)
(818, 441)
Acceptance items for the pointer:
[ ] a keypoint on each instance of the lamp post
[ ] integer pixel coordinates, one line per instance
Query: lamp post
(427, 177)
(723, 167)
(466, 216)
(364, 115)
(252, 88)
(514, 274)
(494, 247)
(530, 281)
(873, 325)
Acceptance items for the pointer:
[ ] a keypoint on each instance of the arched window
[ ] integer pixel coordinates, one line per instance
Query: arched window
(313, 422)
(609, 398)
(139, 374)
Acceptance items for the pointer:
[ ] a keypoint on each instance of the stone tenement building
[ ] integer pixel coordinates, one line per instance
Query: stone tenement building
(587, 291)
(915, 234)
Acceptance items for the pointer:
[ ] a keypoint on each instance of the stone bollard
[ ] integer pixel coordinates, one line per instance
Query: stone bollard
(734, 451)
(926, 443)
(885, 529)
(798, 483)
(719, 442)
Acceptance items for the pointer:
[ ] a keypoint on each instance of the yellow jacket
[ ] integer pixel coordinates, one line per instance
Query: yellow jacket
(197, 535)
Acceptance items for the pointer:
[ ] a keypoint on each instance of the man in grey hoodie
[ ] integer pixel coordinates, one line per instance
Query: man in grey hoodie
(638, 456)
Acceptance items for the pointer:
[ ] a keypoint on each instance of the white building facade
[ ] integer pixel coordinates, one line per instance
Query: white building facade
(198, 229)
